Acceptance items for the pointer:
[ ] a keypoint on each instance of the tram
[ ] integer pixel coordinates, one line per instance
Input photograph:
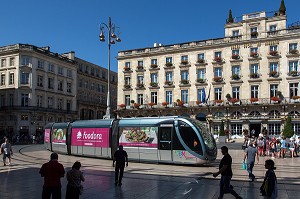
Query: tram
(170, 139)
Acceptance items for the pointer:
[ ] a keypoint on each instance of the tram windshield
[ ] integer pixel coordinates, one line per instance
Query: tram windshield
(206, 135)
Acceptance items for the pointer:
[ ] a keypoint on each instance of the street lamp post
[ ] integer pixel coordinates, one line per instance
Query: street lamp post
(111, 28)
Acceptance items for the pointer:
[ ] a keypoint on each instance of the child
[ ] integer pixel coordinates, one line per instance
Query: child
(269, 187)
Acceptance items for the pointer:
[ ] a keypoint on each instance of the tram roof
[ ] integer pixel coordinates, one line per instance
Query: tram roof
(92, 123)
(142, 121)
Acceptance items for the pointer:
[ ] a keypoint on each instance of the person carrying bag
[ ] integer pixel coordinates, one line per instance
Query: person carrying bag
(269, 189)
(74, 177)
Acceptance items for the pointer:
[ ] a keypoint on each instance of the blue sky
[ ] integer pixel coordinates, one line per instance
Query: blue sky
(73, 25)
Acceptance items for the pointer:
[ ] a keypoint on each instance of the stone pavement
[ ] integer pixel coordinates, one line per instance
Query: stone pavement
(143, 181)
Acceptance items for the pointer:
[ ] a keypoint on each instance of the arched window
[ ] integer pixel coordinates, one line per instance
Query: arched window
(218, 115)
(274, 114)
(294, 114)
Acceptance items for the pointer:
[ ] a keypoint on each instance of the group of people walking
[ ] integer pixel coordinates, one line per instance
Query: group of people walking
(53, 171)
(268, 188)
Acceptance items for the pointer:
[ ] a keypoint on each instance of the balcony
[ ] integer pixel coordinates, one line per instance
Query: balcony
(201, 80)
(184, 83)
(169, 65)
(127, 87)
(235, 57)
(127, 69)
(140, 86)
(200, 62)
(169, 84)
(218, 60)
(154, 67)
(184, 63)
(293, 53)
(274, 74)
(236, 77)
(294, 73)
(154, 85)
(140, 69)
(273, 54)
(218, 79)
(254, 75)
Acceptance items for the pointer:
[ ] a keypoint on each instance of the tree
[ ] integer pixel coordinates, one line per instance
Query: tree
(288, 128)
(222, 131)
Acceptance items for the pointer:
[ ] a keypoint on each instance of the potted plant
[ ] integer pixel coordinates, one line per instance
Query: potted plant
(293, 51)
(217, 59)
(293, 73)
(273, 52)
(274, 73)
(126, 68)
(184, 62)
(219, 101)
(274, 98)
(200, 80)
(139, 67)
(180, 103)
(168, 82)
(235, 56)
(169, 64)
(200, 61)
(234, 100)
(254, 54)
(151, 104)
(122, 106)
(136, 105)
(140, 85)
(153, 66)
(295, 98)
(164, 104)
(127, 86)
(198, 102)
(184, 81)
(254, 75)
(235, 76)
(254, 99)
(217, 79)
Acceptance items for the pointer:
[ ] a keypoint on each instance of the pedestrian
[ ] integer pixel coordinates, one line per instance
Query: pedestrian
(74, 177)
(6, 149)
(269, 188)
(120, 157)
(250, 154)
(283, 147)
(52, 171)
(226, 174)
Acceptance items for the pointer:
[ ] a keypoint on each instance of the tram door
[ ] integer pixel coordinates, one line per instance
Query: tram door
(165, 143)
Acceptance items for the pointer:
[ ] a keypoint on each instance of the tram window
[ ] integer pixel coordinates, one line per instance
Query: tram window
(165, 139)
(190, 137)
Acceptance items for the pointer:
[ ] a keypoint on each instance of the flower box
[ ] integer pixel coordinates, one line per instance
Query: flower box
(236, 76)
(219, 101)
(274, 99)
(293, 73)
(151, 104)
(235, 56)
(217, 59)
(169, 64)
(295, 97)
(254, 54)
(180, 103)
(200, 80)
(293, 51)
(154, 84)
(234, 100)
(140, 85)
(217, 79)
(253, 100)
(254, 75)
(153, 66)
(136, 105)
(126, 68)
(274, 73)
(254, 34)
(140, 67)
(168, 83)
(200, 61)
(122, 106)
(184, 62)
(184, 81)
(127, 86)
(273, 53)
(164, 103)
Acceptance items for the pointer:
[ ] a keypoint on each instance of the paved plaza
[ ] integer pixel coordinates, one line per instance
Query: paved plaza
(143, 181)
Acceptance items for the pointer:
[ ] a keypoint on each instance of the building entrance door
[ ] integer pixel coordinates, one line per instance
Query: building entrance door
(257, 129)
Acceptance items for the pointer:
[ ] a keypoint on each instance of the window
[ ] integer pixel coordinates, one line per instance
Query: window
(127, 80)
(236, 92)
(51, 67)
(11, 61)
(236, 70)
(40, 80)
(50, 83)
(273, 28)
(153, 61)
(293, 46)
(185, 58)
(185, 96)
(25, 61)
(40, 64)
(169, 60)
(80, 83)
(293, 66)
(235, 52)
(253, 32)
(69, 87)
(140, 79)
(69, 73)
(127, 100)
(273, 66)
(24, 117)
(201, 56)
(254, 69)
(294, 89)
(2, 79)
(273, 48)
(60, 85)
(140, 99)
(236, 129)
(218, 93)
(92, 71)
(24, 100)
(140, 63)
(169, 97)
(201, 73)
(92, 86)
(3, 63)
(59, 103)
(201, 95)
(274, 129)
(218, 54)
(169, 76)
(296, 127)
(254, 91)
(254, 50)
(218, 72)
(60, 70)
(86, 84)
(50, 102)
(80, 67)
(11, 78)
(235, 33)
(24, 78)
(184, 75)
(103, 88)
(273, 90)
(103, 75)
(127, 64)
(39, 101)
(154, 97)
(153, 77)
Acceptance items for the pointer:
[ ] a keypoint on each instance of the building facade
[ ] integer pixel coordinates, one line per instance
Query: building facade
(247, 80)
(38, 86)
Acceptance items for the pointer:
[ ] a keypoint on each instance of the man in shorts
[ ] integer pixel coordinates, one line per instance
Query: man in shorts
(7, 152)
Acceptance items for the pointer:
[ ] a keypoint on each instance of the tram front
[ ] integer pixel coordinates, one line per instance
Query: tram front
(196, 138)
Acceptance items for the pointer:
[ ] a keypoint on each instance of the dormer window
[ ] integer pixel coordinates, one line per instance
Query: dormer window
(273, 28)
(235, 33)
